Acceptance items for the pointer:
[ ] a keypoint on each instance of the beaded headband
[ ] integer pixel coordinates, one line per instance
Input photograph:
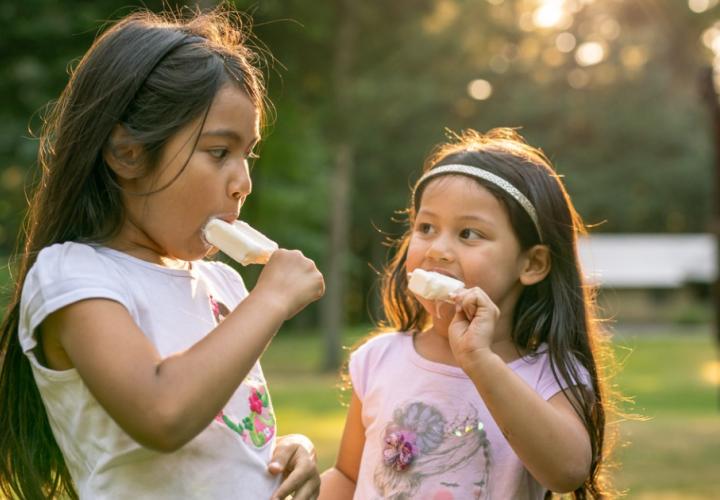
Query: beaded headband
(479, 173)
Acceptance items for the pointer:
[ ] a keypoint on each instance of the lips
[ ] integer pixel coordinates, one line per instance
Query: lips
(228, 217)
(445, 272)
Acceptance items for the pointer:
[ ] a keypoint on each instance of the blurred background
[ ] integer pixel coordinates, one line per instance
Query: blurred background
(621, 95)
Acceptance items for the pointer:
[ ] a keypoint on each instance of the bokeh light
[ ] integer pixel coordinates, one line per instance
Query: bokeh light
(711, 38)
(710, 372)
(446, 11)
(549, 14)
(578, 78)
(499, 63)
(479, 89)
(700, 6)
(552, 57)
(634, 57)
(11, 177)
(609, 28)
(565, 42)
(590, 53)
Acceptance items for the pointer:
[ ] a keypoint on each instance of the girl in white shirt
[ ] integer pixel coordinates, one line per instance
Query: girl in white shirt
(130, 364)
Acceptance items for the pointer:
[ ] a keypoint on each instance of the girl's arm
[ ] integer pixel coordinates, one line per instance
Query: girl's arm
(548, 436)
(338, 483)
(164, 403)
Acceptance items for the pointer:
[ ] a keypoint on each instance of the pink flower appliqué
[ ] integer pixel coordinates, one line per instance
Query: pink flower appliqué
(215, 307)
(255, 402)
(399, 450)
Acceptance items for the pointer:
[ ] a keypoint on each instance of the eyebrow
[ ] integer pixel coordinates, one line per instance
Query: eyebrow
(475, 217)
(460, 217)
(228, 133)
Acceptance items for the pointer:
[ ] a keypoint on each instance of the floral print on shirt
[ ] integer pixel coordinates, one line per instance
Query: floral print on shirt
(423, 449)
(257, 427)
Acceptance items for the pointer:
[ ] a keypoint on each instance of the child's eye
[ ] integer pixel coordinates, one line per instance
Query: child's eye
(218, 153)
(470, 234)
(423, 227)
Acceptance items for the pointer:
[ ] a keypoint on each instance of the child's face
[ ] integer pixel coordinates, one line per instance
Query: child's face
(463, 231)
(215, 181)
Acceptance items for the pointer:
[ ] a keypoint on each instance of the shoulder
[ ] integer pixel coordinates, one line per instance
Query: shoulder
(70, 251)
(70, 260)
(65, 273)
(380, 343)
(372, 354)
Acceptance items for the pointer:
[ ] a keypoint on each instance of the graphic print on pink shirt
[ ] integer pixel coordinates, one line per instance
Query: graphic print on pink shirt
(424, 454)
(258, 426)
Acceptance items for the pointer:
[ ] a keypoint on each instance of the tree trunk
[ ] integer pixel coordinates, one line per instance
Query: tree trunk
(333, 305)
(709, 91)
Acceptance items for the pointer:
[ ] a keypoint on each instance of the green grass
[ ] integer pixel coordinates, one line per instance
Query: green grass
(674, 454)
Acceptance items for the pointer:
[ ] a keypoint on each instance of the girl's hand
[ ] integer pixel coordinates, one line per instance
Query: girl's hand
(292, 279)
(472, 328)
(294, 456)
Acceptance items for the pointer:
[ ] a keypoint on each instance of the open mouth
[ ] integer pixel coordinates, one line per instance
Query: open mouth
(445, 273)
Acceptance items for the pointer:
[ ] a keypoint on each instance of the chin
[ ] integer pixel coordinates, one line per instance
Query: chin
(190, 254)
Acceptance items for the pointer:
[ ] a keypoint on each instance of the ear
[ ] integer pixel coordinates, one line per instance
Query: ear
(123, 154)
(536, 264)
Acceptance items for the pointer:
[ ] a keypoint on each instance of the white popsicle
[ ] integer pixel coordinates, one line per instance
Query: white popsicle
(433, 286)
(240, 241)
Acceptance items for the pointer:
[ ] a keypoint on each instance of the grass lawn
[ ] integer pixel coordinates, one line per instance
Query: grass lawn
(674, 454)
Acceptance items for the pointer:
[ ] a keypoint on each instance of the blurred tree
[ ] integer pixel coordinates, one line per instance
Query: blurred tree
(607, 88)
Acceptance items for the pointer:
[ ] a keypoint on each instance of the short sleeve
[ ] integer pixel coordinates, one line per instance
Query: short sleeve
(366, 358)
(548, 386)
(357, 368)
(64, 274)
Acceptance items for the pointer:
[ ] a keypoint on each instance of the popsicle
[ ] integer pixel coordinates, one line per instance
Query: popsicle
(433, 286)
(239, 241)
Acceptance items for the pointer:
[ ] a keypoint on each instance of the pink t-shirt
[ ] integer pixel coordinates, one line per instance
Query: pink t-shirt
(428, 434)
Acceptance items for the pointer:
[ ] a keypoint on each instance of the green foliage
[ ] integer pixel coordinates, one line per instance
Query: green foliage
(630, 134)
(5, 283)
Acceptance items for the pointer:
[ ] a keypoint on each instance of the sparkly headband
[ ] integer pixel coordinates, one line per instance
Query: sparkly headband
(479, 173)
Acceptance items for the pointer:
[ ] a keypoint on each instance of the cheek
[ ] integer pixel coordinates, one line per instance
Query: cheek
(415, 253)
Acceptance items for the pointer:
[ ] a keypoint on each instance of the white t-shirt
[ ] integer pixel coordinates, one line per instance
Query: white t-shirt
(174, 309)
(428, 433)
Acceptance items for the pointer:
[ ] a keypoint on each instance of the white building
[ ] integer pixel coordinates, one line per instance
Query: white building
(651, 277)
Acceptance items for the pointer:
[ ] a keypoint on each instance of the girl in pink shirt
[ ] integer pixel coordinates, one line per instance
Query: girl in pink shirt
(495, 392)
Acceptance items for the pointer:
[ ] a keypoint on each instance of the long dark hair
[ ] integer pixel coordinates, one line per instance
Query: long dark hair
(154, 74)
(559, 310)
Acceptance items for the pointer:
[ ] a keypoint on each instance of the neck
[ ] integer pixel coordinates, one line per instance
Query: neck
(132, 240)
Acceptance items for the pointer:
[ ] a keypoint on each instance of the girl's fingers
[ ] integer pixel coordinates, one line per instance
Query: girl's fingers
(294, 456)
(470, 300)
(302, 482)
(281, 458)
(475, 303)
(308, 491)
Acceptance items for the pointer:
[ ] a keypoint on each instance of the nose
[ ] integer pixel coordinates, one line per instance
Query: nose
(440, 249)
(240, 184)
